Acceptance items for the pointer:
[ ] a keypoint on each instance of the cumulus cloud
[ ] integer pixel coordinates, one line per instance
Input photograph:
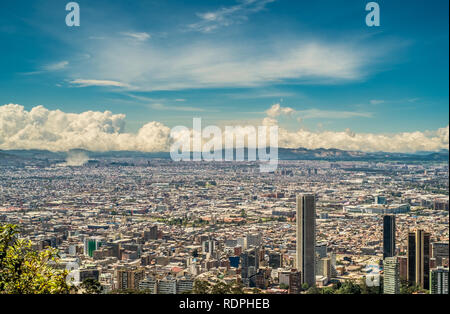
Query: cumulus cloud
(277, 110)
(55, 130)
(368, 142)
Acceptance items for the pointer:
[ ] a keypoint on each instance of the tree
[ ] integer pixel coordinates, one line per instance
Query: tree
(314, 290)
(284, 286)
(201, 287)
(26, 271)
(349, 287)
(221, 288)
(237, 288)
(91, 286)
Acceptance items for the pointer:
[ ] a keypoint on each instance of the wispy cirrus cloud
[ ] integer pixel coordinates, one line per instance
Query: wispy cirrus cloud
(278, 110)
(226, 16)
(200, 65)
(163, 107)
(137, 36)
(86, 83)
(332, 114)
(56, 66)
(50, 67)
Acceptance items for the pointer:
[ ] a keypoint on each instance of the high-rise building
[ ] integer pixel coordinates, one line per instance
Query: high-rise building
(403, 262)
(419, 258)
(253, 240)
(151, 233)
(91, 244)
(295, 282)
(249, 263)
(391, 276)
(324, 268)
(321, 249)
(439, 281)
(439, 252)
(275, 260)
(388, 236)
(306, 238)
(129, 278)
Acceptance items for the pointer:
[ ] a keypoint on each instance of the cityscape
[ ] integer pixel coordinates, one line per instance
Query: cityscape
(159, 227)
(211, 155)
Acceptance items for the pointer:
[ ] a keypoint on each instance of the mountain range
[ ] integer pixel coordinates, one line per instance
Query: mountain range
(9, 156)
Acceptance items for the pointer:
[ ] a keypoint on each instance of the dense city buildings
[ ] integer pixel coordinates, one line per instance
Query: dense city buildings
(158, 226)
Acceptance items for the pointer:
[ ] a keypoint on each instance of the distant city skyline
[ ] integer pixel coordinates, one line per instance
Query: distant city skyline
(131, 72)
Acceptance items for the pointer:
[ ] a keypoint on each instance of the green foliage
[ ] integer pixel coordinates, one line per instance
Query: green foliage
(201, 287)
(407, 288)
(284, 286)
(25, 271)
(349, 287)
(221, 288)
(91, 286)
(314, 290)
(204, 287)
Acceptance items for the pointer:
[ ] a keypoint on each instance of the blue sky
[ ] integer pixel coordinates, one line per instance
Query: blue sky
(225, 61)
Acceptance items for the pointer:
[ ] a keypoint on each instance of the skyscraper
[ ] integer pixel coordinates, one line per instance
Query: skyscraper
(439, 252)
(439, 281)
(391, 276)
(306, 238)
(419, 258)
(129, 278)
(388, 236)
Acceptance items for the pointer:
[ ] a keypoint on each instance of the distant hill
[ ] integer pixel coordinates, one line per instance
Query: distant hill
(283, 153)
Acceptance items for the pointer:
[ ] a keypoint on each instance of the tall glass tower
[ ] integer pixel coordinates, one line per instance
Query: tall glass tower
(388, 236)
(306, 238)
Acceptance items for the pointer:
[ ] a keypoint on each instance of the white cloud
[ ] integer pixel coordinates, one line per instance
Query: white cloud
(85, 83)
(277, 110)
(137, 36)
(376, 102)
(226, 16)
(332, 114)
(202, 65)
(51, 67)
(55, 130)
(348, 140)
(56, 66)
(159, 106)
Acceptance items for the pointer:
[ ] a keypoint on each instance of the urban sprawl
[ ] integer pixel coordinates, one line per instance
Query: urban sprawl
(160, 226)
